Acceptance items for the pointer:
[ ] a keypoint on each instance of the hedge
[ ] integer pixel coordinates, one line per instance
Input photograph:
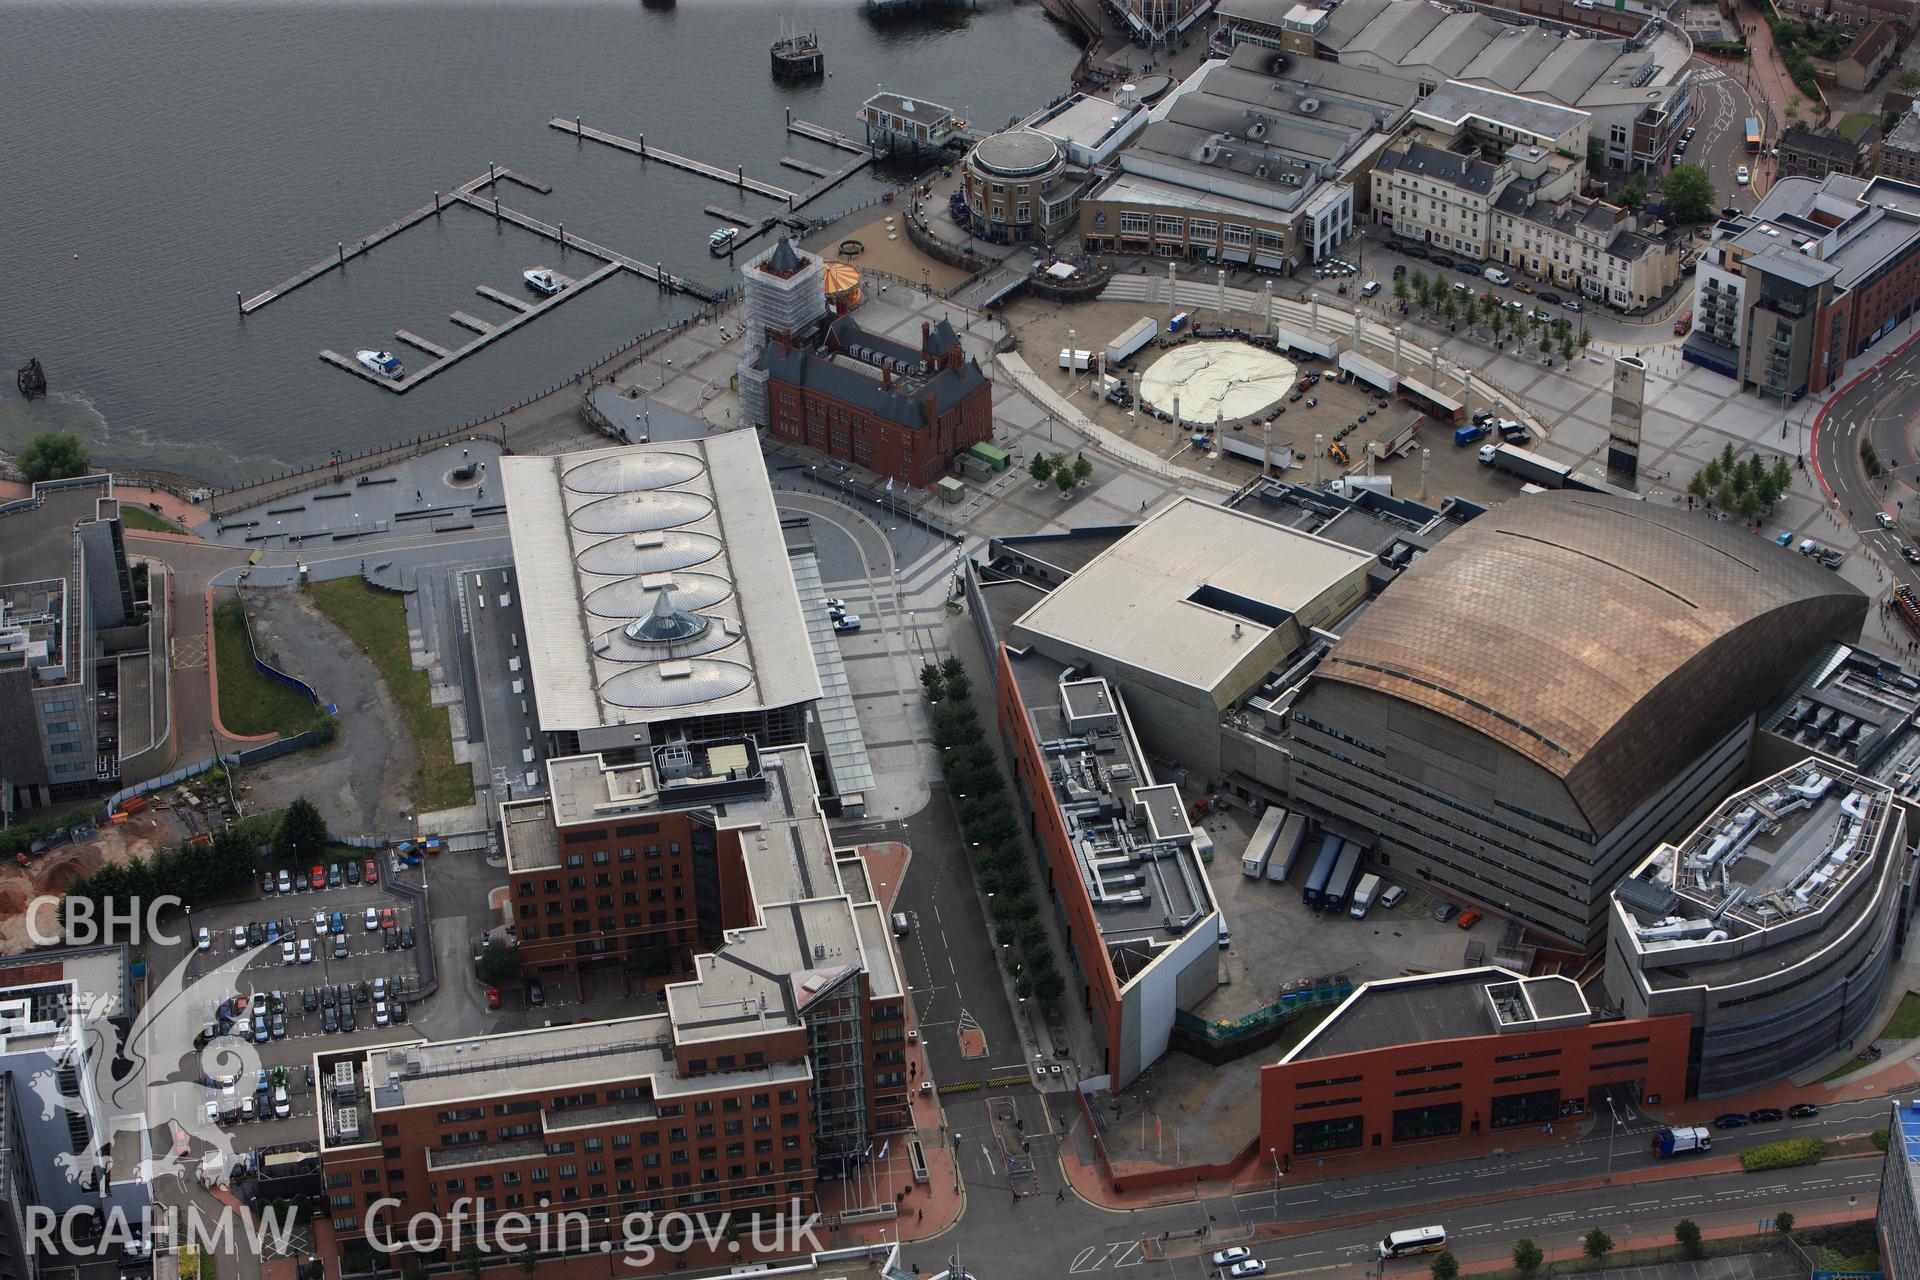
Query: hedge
(1783, 1155)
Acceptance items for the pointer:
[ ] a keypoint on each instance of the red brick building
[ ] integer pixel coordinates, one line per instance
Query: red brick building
(896, 410)
(776, 1063)
(1464, 1053)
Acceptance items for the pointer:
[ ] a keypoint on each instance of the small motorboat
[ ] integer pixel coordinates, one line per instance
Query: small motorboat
(383, 363)
(543, 281)
(720, 243)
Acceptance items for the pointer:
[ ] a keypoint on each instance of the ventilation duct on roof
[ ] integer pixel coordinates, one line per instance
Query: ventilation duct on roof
(1309, 105)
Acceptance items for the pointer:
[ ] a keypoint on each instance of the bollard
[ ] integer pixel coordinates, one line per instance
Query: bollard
(490, 172)
(643, 146)
(563, 235)
(740, 176)
(496, 206)
(238, 303)
(436, 202)
(576, 126)
(340, 247)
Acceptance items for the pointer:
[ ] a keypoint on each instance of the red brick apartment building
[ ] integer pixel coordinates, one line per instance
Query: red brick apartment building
(866, 399)
(773, 1066)
(1465, 1053)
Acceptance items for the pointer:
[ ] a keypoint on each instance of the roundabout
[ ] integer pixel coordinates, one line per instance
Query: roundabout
(1227, 379)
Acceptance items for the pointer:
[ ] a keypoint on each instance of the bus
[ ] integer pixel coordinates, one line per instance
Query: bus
(1755, 138)
(1417, 1240)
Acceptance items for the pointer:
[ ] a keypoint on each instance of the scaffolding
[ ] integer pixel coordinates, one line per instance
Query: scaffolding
(786, 292)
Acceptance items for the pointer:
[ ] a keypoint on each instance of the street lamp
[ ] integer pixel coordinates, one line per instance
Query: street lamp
(1273, 1154)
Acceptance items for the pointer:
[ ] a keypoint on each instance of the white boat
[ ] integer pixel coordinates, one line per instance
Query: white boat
(384, 363)
(721, 241)
(542, 281)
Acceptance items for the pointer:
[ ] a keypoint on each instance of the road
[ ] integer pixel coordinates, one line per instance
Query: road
(1881, 405)
(1484, 1203)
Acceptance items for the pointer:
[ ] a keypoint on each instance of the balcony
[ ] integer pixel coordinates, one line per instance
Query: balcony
(444, 1158)
(595, 1117)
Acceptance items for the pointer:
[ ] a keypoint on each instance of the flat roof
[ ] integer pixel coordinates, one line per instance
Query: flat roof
(1130, 837)
(1455, 104)
(1437, 1006)
(604, 538)
(1184, 595)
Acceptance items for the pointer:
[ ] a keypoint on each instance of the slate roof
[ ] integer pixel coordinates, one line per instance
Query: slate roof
(858, 381)
(1469, 173)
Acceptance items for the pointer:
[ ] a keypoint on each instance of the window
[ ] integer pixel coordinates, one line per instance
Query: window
(1169, 228)
(1241, 236)
(1540, 1107)
(1327, 1135)
(1134, 224)
(1436, 1121)
(1204, 230)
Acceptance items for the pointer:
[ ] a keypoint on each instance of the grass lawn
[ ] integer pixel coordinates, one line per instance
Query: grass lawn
(1851, 126)
(1903, 1025)
(377, 622)
(250, 703)
(141, 518)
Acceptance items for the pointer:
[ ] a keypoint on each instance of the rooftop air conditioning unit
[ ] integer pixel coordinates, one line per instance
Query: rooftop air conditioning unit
(1309, 105)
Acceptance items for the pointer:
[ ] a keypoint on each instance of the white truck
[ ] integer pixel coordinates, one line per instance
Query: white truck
(1363, 895)
(1675, 1142)
(1253, 863)
(1081, 360)
(1136, 336)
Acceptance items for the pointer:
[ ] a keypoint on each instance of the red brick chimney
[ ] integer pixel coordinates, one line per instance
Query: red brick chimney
(954, 357)
(926, 331)
(886, 377)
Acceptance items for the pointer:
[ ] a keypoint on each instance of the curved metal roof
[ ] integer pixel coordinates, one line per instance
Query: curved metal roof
(633, 472)
(641, 512)
(677, 684)
(631, 598)
(678, 549)
(1607, 640)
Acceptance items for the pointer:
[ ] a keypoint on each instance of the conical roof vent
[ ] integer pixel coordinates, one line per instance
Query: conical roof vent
(666, 624)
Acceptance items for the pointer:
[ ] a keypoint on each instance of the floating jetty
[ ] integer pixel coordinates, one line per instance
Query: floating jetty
(343, 253)
(731, 215)
(803, 166)
(486, 333)
(415, 340)
(820, 133)
(639, 147)
(506, 300)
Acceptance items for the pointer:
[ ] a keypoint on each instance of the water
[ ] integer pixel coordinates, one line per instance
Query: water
(165, 157)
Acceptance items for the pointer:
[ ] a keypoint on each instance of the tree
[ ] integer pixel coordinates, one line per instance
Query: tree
(930, 682)
(958, 687)
(951, 666)
(1470, 311)
(1049, 985)
(1690, 194)
(1687, 1234)
(1449, 308)
(470, 1260)
(1402, 291)
(1064, 479)
(1445, 1265)
(1783, 1221)
(1724, 497)
(526, 1259)
(1566, 346)
(1425, 292)
(302, 834)
(1497, 321)
(1782, 477)
(1597, 1243)
(1905, 82)
(1793, 107)
(1041, 468)
(1632, 196)
(499, 965)
(1527, 1257)
(54, 456)
(1698, 486)
(1586, 336)
(1546, 343)
(1082, 468)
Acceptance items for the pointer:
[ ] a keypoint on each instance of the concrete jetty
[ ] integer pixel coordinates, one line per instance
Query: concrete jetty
(820, 133)
(640, 148)
(346, 252)
(504, 299)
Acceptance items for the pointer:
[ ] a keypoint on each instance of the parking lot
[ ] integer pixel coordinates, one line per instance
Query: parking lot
(338, 964)
(1278, 940)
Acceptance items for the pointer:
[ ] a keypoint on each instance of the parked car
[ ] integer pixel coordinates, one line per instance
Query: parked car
(336, 923)
(379, 988)
(1468, 919)
(278, 1025)
(1731, 1120)
(1766, 1115)
(282, 1104)
(1251, 1267)
(309, 1000)
(333, 876)
(493, 997)
(267, 883)
(398, 1008)
(386, 918)
(340, 947)
(1573, 304)
(346, 1017)
(204, 941)
(330, 1020)
(353, 873)
(284, 881)
(306, 951)
(326, 997)
(317, 878)
(847, 623)
(380, 1018)
(1227, 1257)
(371, 872)
(536, 994)
(288, 953)
(1743, 175)
(1444, 912)
(389, 939)
(373, 920)
(406, 937)
(239, 937)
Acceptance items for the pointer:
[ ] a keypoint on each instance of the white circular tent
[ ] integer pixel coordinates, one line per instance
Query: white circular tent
(1226, 380)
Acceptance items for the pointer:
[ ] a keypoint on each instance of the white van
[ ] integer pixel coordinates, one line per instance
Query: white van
(1497, 276)
(1391, 898)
